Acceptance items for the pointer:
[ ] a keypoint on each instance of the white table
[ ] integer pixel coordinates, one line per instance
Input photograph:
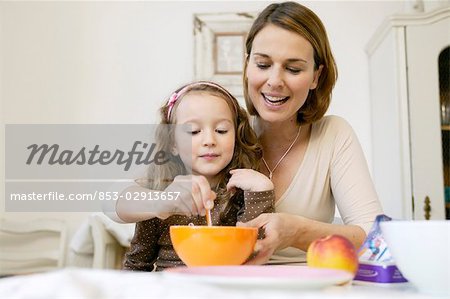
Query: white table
(90, 283)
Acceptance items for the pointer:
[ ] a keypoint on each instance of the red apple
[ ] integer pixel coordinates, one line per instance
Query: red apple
(334, 252)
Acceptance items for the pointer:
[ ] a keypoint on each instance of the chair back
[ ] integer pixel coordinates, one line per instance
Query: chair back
(33, 246)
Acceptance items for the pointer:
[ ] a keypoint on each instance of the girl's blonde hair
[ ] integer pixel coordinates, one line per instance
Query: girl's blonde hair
(247, 150)
(299, 19)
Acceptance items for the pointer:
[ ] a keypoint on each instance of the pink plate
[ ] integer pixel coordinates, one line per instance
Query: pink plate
(263, 276)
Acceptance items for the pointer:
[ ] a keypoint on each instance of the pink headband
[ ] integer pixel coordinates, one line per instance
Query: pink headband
(176, 95)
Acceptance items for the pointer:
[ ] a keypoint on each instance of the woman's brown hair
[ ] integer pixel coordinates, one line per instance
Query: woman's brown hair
(297, 18)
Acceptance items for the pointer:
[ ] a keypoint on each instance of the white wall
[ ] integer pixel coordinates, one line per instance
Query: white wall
(115, 62)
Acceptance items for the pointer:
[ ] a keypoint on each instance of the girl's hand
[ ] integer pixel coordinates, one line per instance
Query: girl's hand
(195, 197)
(280, 232)
(249, 180)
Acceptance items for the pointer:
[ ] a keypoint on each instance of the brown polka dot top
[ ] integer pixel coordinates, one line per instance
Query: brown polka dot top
(151, 247)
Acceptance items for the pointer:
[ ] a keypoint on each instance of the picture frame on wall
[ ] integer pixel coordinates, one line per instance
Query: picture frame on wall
(229, 53)
(219, 48)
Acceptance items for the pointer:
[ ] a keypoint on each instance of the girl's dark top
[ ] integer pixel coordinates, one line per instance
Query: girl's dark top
(151, 247)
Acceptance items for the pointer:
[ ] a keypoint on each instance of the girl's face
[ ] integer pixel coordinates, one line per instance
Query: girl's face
(280, 73)
(208, 127)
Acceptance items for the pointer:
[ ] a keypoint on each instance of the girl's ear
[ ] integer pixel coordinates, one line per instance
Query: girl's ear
(174, 151)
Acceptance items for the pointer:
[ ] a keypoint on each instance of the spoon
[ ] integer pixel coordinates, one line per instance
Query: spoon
(208, 217)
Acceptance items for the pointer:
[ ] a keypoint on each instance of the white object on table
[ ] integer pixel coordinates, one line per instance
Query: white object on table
(94, 283)
(421, 251)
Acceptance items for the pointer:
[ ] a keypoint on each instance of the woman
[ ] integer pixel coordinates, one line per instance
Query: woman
(314, 162)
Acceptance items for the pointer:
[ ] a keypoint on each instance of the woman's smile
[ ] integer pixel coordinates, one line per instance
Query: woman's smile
(274, 100)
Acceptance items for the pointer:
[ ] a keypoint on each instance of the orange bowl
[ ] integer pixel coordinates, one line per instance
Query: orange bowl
(213, 245)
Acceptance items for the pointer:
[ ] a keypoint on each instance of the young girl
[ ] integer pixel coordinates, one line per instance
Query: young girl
(212, 140)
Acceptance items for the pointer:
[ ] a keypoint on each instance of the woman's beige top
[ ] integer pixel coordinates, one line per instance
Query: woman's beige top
(333, 173)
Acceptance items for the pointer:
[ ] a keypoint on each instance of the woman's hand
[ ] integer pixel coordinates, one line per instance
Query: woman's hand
(195, 196)
(281, 231)
(249, 180)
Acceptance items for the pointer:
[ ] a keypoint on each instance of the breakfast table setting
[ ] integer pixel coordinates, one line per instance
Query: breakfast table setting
(333, 268)
(93, 283)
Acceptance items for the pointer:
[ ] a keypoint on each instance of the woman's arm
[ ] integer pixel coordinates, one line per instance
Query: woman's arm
(286, 230)
(352, 187)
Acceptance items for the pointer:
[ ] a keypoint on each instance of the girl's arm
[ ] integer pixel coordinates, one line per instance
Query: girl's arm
(144, 248)
(189, 195)
(255, 204)
(137, 209)
(259, 196)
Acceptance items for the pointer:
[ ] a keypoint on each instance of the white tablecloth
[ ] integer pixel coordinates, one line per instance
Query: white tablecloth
(109, 284)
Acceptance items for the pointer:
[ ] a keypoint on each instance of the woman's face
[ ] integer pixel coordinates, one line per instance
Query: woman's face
(280, 73)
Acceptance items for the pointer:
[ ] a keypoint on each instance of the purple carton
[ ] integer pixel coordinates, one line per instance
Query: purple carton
(376, 264)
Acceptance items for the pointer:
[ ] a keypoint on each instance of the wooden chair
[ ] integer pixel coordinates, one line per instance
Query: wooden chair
(108, 253)
(34, 246)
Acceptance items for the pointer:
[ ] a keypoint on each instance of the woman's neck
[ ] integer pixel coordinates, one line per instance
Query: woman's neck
(275, 135)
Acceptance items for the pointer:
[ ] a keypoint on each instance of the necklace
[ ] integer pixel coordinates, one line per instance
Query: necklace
(271, 171)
